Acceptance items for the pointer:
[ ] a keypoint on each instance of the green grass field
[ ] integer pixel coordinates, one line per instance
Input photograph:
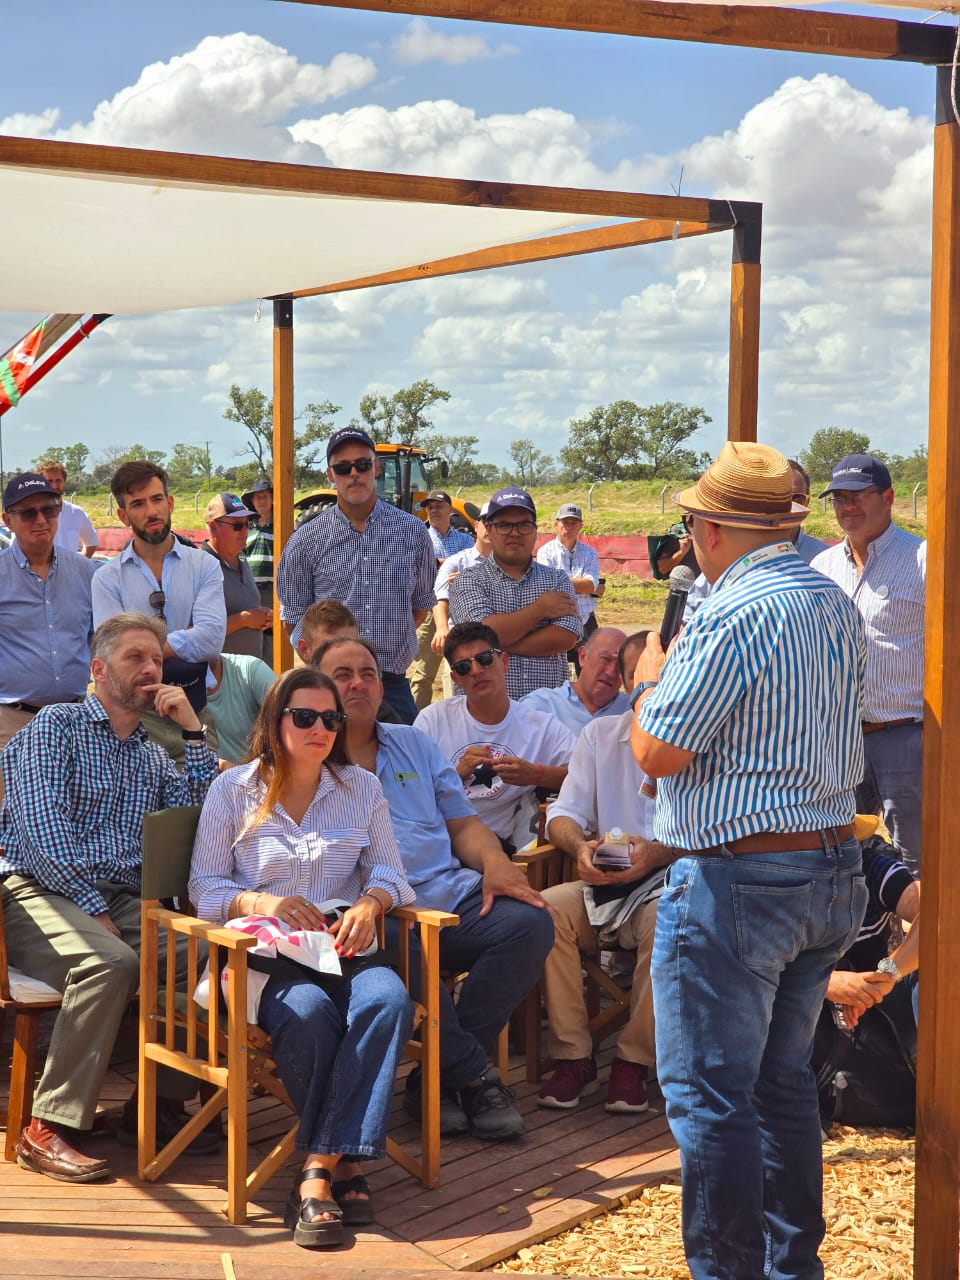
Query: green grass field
(619, 507)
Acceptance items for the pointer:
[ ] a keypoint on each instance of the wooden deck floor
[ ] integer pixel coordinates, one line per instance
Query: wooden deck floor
(494, 1199)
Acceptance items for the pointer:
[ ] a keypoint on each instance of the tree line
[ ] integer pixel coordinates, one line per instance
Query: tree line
(617, 441)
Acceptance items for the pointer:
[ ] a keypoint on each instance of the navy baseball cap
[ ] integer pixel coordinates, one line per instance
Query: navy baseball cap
(858, 471)
(504, 499)
(349, 435)
(26, 485)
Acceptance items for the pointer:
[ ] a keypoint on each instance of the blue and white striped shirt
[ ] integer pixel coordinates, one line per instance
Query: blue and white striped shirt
(76, 795)
(891, 596)
(764, 686)
(384, 574)
(457, 562)
(343, 846)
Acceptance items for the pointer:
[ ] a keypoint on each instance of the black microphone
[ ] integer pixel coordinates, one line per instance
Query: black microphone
(682, 579)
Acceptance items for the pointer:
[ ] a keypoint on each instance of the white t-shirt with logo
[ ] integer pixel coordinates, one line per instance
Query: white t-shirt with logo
(508, 810)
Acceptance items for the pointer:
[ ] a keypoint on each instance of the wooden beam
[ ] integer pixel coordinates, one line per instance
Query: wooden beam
(87, 160)
(753, 27)
(546, 248)
(282, 462)
(938, 1057)
(744, 372)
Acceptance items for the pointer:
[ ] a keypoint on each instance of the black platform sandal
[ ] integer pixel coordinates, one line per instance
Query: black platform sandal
(356, 1213)
(302, 1216)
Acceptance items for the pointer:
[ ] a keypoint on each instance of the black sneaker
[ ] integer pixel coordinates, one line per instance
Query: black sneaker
(452, 1117)
(491, 1108)
(171, 1117)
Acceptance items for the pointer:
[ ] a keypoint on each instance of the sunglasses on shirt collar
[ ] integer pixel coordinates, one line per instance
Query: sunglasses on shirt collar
(306, 718)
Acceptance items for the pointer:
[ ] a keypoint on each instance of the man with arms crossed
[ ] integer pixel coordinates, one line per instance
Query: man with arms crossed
(752, 727)
(531, 607)
(884, 571)
(79, 780)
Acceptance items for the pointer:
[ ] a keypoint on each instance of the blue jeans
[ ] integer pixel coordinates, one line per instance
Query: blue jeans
(743, 950)
(337, 1056)
(396, 691)
(502, 954)
(892, 777)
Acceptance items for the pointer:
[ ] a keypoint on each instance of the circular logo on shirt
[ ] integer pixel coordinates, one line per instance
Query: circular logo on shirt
(483, 783)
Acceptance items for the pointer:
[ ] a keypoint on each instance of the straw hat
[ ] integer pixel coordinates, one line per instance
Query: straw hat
(749, 486)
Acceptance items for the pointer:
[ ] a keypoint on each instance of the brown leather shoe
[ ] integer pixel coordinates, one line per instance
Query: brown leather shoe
(44, 1149)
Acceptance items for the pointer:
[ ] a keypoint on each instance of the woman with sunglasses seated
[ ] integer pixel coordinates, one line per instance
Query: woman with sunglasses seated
(295, 826)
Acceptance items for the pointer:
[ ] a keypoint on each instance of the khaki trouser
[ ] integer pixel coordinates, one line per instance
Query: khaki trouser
(569, 1034)
(50, 938)
(423, 669)
(11, 722)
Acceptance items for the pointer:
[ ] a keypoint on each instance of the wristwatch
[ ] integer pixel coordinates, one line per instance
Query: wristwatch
(889, 967)
(194, 735)
(642, 687)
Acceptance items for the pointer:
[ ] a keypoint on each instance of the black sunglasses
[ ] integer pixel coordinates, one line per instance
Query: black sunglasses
(344, 468)
(30, 515)
(463, 666)
(306, 718)
(157, 600)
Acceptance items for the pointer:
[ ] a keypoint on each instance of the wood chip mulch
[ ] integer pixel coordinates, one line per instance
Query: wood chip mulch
(868, 1207)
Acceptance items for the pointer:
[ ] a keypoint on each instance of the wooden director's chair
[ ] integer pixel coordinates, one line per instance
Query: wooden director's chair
(230, 1056)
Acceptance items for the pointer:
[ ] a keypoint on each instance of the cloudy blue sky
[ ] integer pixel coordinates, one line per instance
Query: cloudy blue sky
(839, 152)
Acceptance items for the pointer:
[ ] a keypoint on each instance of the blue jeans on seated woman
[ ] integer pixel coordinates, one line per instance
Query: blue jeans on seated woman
(337, 1056)
(743, 950)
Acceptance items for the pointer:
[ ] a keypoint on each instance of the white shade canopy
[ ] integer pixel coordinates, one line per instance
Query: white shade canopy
(102, 229)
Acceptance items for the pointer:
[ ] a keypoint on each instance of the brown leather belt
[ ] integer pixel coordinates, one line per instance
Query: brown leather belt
(786, 841)
(874, 726)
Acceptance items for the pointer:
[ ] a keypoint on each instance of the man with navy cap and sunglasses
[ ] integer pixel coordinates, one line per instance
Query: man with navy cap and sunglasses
(46, 614)
(883, 568)
(365, 553)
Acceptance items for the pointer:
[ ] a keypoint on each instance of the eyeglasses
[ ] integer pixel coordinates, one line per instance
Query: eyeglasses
(463, 666)
(344, 468)
(687, 521)
(852, 499)
(49, 511)
(157, 600)
(505, 527)
(306, 718)
(234, 524)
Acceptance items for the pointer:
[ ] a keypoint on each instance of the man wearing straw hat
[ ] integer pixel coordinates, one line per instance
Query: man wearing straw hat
(753, 726)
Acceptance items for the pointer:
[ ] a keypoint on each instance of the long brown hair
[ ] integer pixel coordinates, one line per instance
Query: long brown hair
(267, 743)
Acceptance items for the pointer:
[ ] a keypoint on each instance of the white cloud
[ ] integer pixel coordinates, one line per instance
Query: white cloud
(24, 125)
(420, 43)
(227, 96)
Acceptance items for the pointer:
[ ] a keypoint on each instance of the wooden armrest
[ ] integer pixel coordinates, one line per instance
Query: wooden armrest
(424, 915)
(193, 927)
(539, 854)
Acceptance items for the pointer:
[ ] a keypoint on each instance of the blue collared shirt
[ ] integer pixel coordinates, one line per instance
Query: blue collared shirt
(807, 547)
(192, 583)
(454, 564)
(449, 543)
(564, 704)
(891, 595)
(46, 626)
(580, 562)
(383, 573)
(764, 686)
(424, 792)
(76, 795)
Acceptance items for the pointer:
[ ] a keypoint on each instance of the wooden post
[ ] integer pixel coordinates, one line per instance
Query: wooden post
(938, 1058)
(282, 462)
(744, 329)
